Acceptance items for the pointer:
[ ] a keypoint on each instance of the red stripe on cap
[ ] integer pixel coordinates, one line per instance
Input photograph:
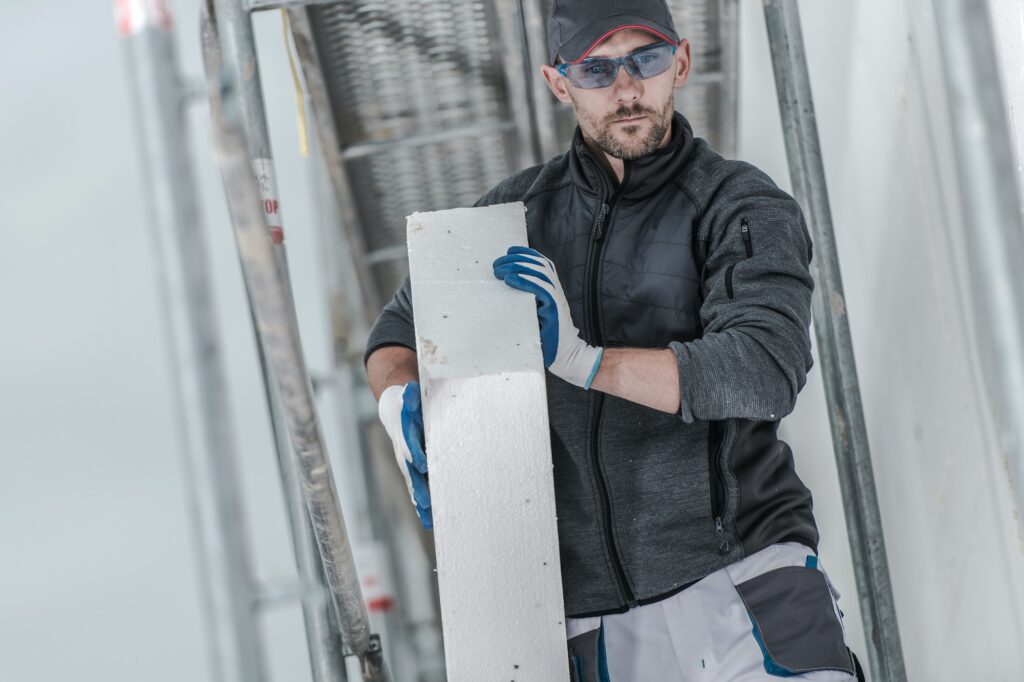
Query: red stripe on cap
(615, 30)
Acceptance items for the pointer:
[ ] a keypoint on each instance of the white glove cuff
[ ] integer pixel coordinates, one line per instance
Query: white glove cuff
(580, 364)
(389, 409)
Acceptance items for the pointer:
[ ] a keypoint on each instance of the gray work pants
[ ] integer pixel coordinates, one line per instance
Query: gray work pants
(773, 614)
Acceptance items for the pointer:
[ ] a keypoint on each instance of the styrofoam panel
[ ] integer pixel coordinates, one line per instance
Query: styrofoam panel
(488, 445)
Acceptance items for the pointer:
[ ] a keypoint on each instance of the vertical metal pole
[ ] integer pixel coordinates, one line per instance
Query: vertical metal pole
(988, 188)
(300, 23)
(835, 348)
(242, 140)
(323, 637)
(512, 48)
(534, 28)
(216, 510)
(415, 648)
(730, 39)
(354, 301)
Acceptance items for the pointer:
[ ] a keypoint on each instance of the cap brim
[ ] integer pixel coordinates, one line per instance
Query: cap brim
(591, 35)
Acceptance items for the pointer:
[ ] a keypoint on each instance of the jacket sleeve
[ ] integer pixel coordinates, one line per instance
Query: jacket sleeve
(755, 352)
(394, 325)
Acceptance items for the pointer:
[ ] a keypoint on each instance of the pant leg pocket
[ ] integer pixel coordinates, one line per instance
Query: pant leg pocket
(794, 621)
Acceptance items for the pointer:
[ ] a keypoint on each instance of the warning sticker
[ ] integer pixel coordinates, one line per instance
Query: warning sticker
(267, 180)
(131, 16)
(374, 573)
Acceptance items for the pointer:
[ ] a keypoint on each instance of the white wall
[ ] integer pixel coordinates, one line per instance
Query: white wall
(952, 533)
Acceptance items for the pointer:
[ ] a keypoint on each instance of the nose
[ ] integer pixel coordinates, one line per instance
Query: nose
(626, 88)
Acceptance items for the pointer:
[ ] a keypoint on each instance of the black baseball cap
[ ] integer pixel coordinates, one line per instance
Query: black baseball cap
(575, 27)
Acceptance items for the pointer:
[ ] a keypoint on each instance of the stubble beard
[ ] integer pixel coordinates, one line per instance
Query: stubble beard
(625, 143)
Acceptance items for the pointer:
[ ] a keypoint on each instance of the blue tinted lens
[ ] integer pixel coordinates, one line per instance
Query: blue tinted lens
(600, 72)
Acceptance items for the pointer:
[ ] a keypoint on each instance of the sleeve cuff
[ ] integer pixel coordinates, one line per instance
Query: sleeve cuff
(370, 350)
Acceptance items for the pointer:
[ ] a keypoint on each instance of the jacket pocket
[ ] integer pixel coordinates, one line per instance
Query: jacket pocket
(748, 248)
(794, 621)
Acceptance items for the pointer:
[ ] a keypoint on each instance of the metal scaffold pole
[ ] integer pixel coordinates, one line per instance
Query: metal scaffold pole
(835, 347)
(244, 155)
(322, 635)
(988, 189)
(544, 120)
(415, 650)
(206, 424)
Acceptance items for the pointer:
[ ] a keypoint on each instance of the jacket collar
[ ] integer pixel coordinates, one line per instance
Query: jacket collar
(641, 177)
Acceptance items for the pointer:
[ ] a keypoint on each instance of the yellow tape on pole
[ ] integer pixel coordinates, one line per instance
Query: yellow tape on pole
(300, 99)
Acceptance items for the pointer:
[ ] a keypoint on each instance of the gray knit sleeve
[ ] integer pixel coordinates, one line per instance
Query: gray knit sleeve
(394, 325)
(754, 355)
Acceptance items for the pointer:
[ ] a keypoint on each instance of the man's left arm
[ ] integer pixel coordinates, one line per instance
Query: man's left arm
(754, 355)
(641, 375)
(755, 352)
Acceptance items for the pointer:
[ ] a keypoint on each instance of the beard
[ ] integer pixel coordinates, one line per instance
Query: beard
(625, 141)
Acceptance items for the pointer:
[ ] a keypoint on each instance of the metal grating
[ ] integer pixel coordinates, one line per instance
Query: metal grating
(402, 75)
(423, 103)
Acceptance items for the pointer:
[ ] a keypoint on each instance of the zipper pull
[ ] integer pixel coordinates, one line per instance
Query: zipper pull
(598, 230)
(723, 546)
(745, 233)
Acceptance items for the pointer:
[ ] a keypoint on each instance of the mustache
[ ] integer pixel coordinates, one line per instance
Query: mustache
(630, 112)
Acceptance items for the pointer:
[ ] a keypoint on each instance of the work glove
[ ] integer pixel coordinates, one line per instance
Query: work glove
(566, 355)
(401, 412)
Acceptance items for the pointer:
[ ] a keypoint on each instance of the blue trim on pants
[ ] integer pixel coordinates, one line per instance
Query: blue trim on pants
(602, 657)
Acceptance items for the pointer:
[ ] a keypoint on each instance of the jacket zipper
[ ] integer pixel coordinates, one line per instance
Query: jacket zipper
(748, 246)
(718, 490)
(597, 233)
(718, 498)
(717, 478)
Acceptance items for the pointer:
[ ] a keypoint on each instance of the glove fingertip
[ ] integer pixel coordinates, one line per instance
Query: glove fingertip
(426, 518)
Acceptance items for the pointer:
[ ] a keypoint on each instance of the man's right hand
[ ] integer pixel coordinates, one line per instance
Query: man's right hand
(401, 412)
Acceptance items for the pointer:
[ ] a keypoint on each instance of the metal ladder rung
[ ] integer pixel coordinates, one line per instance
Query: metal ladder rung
(366, 148)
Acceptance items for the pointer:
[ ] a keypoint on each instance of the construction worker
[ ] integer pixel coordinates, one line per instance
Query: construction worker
(674, 300)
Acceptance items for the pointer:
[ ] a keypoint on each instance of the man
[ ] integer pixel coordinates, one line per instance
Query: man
(674, 301)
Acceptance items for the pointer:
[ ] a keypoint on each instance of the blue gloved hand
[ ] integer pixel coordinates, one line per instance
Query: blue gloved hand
(401, 412)
(566, 355)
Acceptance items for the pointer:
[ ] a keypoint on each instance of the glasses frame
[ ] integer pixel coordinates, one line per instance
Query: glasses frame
(632, 68)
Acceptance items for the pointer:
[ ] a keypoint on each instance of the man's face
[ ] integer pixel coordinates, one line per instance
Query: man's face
(630, 118)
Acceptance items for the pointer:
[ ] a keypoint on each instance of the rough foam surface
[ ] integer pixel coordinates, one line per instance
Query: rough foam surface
(488, 444)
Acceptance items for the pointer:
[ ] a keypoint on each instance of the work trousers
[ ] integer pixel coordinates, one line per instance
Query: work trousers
(773, 614)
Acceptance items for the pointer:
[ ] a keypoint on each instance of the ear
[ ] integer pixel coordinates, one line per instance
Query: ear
(683, 63)
(556, 83)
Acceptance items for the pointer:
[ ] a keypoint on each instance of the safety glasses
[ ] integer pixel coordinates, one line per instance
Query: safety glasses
(600, 72)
